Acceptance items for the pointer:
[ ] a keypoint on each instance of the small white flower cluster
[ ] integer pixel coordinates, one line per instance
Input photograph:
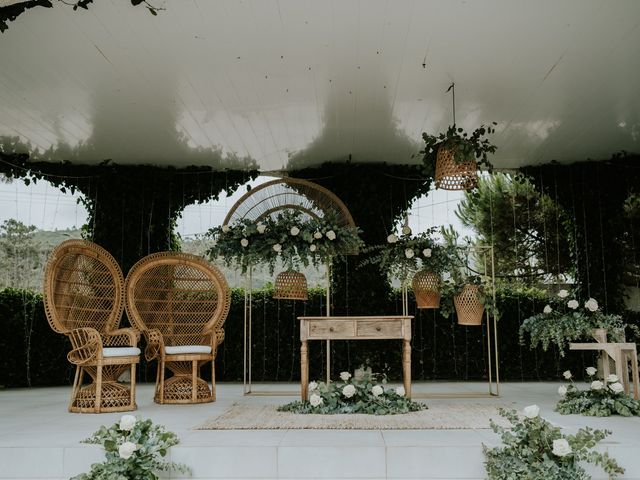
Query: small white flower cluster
(591, 304)
(561, 447)
(127, 422)
(612, 382)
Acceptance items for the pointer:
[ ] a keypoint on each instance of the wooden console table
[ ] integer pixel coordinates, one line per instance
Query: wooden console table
(355, 328)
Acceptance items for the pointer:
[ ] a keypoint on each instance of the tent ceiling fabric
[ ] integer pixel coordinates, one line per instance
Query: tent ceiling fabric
(294, 83)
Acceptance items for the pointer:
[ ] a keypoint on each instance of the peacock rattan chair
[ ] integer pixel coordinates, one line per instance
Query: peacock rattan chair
(180, 302)
(84, 299)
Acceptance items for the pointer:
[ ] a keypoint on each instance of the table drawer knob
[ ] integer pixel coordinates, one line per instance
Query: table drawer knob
(378, 329)
(331, 329)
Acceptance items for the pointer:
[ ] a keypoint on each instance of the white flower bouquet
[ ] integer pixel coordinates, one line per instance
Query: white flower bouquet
(364, 394)
(533, 448)
(564, 319)
(603, 398)
(134, 448)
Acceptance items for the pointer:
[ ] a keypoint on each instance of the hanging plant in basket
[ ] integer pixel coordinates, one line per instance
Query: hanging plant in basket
(458, 156)
(469, 296)
(418, 255)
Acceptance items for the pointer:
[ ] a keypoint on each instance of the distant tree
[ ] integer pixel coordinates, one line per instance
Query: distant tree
(631, 240)
(527, 229)
(19, 254)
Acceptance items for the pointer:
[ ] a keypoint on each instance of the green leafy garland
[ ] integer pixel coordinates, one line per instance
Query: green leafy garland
(291, 235)
(605, 397)
(563, 321)
(535, 449)
(135, 448)
(354, 395)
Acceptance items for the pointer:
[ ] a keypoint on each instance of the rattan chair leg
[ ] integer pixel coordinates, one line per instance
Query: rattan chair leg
(194, 383)
(132, 386)
(213, 379)
(98, 389)
(76, 386)
(161, 373)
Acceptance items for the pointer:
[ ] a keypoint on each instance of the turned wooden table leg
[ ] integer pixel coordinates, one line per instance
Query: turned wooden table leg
(406, 366)
(304, 370)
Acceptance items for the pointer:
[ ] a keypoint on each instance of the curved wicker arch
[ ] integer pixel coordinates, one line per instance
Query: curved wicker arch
(150, 274)
(83, 287)
(286, 194)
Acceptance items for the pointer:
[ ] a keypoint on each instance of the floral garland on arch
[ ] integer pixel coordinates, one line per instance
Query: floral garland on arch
(603, 398)
(564, 320)
(291, 235)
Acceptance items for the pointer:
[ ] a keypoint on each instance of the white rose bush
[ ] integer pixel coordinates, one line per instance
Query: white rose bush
(364, 394)
(533, 448)
(290, 236)
(564, 319)
(134, 448)
(603, 397)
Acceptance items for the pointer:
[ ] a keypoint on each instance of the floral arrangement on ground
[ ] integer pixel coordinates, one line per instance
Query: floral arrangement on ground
(134, 448)
(292, 235)
(562, 321)
(603, 398)
(535, 449)
(364, 394)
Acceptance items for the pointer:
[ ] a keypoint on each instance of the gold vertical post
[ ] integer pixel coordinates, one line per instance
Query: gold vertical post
(328, 315)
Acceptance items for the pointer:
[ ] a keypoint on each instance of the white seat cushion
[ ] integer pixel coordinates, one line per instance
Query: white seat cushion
(182, 349)
(120, 352)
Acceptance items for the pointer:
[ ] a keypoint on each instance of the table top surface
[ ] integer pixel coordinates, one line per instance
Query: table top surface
(366, 317)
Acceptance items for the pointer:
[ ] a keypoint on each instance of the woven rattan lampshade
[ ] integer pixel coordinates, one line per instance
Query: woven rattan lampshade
(468, 306)
(426, 288)
(290, 285)
(451, 175)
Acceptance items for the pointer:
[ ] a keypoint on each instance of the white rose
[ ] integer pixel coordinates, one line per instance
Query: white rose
(563, 293)
(315, 400)
(377, 390)
(349, 391)
(126, 449)
(406, 230)
(225, 229)
(572, 304)
(532, 411)
(547, 310)
(408, 253)
(313, 248)
(345, 376)
(567, 374)
(244, 242)
(317, 235)
(591, 305)
(392, 238)
(561, 447)
(613, 378)
(294, 231)
(616, 387)
(261, 227)
(400, 391)
(591, 371)
(597, 385)
(312, 386)
(426, 252)
(127, 422)
(562, 391)
(331, 235)
(277, 247)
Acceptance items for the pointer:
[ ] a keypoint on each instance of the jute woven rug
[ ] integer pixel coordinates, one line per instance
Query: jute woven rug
(437, 417)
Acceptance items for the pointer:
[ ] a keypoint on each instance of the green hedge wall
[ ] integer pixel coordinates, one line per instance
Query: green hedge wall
(34, 355)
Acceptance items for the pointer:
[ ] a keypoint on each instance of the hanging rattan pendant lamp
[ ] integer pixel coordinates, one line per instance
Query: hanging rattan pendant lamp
(426, 288)
(290, 285)
(469, 309)
(453, 175)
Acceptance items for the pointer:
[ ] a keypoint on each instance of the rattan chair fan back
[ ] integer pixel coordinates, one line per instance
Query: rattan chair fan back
(83, 287)
(180, 295)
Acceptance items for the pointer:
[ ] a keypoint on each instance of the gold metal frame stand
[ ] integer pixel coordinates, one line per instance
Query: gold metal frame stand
(492, 332)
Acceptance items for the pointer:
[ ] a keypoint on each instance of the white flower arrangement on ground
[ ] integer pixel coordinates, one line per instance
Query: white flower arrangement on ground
(134, 448)
(603, 398)
(535, 449)
(364, 394)
(563, 320)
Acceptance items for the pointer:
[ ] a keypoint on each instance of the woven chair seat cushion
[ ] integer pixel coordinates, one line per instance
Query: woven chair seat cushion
(120, 352)
(182, 349)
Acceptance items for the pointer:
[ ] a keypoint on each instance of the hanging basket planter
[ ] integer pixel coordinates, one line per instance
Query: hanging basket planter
(290, 285)
(468, 306)
(452, 175)
(426, 288)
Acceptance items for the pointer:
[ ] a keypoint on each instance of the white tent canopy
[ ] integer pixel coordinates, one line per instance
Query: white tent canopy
(321, 80)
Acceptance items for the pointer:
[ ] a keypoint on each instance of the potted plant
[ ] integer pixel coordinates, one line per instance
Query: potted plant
(458, 156)
(565, 319)
(419, 255)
